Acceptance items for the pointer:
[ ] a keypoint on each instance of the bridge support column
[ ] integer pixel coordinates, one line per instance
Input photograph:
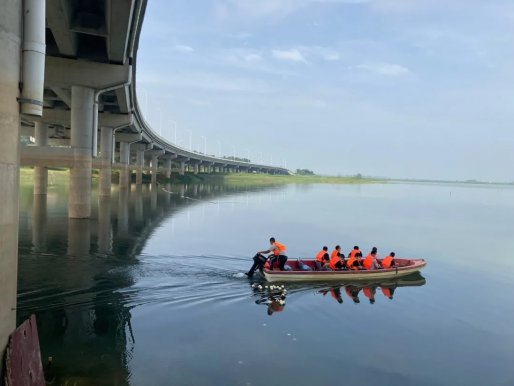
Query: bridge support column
(125, 165)
(41, 172)
(10, 48)
(167, 168)
(140, 162)
(106, 156)
(79, 198)
(196, 168)
(182, 168)
(155, 166)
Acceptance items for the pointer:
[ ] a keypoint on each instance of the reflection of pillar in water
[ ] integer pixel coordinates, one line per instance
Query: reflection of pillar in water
(39, 223)
(182, 190)
(139, 204)
(153, 197)
(79, 237)
(123, 211)
(168, 195)
(195, 190)
(40, 172)
(104, 225)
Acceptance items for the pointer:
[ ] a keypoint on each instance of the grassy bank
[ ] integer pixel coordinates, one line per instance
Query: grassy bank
(268, 179)
(57, 176)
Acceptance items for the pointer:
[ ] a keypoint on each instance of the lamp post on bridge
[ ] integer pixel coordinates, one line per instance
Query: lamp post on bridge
(204, 144)
(174, 124)
(219, 149)
(190, 140)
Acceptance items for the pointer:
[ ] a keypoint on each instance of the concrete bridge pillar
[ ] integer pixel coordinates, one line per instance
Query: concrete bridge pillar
(106, 139)
(155, 166)
(140, 162)
(196, 168)
(125, 164)
(10, 48)
(41, 172)
(79, 198)
(167, 167)
(182, 168)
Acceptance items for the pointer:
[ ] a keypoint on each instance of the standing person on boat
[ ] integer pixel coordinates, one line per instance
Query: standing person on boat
(336, 259)
(322, 258)
(371, 262)
(388, 261)
(278, 251)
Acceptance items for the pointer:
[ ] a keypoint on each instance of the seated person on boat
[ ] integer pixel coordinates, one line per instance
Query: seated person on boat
(371, 262)
(336, 259)
(322, 258)
(388, 261)
(355, 252)
(278, 252)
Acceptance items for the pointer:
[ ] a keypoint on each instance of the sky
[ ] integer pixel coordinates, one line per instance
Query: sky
(391, 88)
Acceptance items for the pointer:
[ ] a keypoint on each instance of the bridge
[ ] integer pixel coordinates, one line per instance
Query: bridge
(68, 79)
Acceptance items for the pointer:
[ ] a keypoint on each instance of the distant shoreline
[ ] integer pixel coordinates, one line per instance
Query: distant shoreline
(26, 175)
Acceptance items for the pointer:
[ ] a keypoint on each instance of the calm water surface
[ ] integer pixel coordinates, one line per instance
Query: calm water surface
(150, 290)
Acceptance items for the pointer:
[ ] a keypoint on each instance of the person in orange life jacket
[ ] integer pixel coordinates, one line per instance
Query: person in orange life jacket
(388, 261)
(354, 261)
(371, 262)
(388, 292)
(369, 292)
(353, 293)
(322, 258)
(354, 252)
(278, 252)
(336, 259)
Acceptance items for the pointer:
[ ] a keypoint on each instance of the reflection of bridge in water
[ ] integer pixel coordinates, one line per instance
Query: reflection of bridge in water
(83, 308)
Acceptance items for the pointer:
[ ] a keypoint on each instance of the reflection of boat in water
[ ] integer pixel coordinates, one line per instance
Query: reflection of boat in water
(274, 296)
(403, 267)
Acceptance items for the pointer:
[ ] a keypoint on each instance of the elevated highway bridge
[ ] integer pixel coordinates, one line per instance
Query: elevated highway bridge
(68, 79)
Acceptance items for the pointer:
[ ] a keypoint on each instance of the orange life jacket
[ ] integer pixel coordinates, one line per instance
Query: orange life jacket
(334, 258)
(367, 292)
(368, 261)
(386, 261)
(353, 253)
(319, 256)
(333, 261)
(350, 261)
(280, 248)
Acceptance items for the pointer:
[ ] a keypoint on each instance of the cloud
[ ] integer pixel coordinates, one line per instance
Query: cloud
(387, 69)
(183, 48)
(292, 55)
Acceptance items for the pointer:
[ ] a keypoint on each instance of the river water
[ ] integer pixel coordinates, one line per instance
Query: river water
(151, 291)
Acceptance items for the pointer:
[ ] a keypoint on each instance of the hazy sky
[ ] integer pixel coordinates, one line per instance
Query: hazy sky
(397, 88)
